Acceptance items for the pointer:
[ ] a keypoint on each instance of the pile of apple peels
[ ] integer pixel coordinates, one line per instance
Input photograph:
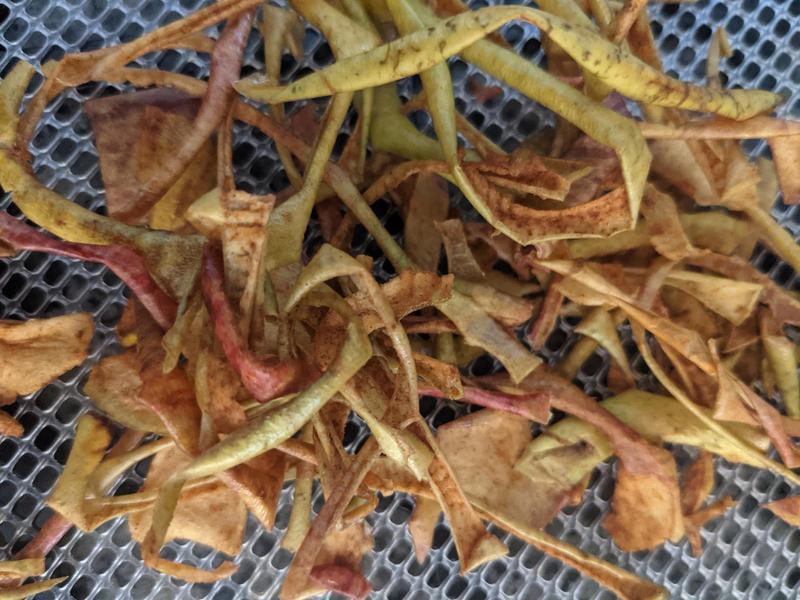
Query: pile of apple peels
(244, 359)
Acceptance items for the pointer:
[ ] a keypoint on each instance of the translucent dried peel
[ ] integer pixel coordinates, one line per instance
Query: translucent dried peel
(486, 472)
(756, 410)
(594, 288)
(732, 299)
(26, 567)
(773, 234)
(30, 589)
(786, 153)
(787, 509)
(427, 205)
(37, 351)
(673, 161)
(601, 327)
(663, 223)
(423, 521)
(784, 307)
(744, 444)
(780, 352)
(715, 230)
(508, 310)
(460, 261)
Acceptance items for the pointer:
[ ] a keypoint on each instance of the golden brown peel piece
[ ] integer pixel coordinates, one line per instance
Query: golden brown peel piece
(780, 352)
(599, 325)
(30, 589)
(659, 419)
(485, 471)
(786, 153)
(10, 426)
(427, 205)
(25, 567)
(743, 445)
(460, 261)
(421, 526)
(135, 133)
(787, 509)
(785, 307)
(38, 350)
(300, 518)
(301, 568)
(548, 315)
(168, 395)
(697, 482)
(114, 386)
(646, 507)
(721, 128)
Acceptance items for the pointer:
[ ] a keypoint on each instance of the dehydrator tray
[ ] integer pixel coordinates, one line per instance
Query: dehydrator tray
(748, 554)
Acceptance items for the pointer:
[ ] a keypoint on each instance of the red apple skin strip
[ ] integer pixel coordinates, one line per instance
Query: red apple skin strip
(531, 406)
(264, 377)
(126, 263)
(342, 580)
(49, 535)
(548, 315)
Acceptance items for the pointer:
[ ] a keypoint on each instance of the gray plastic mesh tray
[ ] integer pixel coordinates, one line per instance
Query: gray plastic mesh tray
(748, 554)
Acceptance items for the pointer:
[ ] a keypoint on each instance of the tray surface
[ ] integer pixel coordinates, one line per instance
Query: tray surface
(748, 554)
